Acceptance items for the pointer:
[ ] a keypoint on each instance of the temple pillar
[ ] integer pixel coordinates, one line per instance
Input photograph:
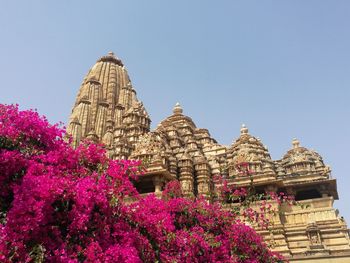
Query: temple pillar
(186, 175)
(203, 177)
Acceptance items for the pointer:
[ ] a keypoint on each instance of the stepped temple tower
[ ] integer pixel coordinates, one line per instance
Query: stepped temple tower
(107, 110)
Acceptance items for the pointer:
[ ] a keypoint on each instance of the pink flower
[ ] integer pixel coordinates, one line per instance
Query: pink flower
(60, 204)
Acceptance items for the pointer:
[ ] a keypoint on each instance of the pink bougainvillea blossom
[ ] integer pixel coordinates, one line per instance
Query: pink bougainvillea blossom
(60, 204)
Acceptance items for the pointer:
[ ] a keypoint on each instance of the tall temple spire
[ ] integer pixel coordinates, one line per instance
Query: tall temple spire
(106, 100)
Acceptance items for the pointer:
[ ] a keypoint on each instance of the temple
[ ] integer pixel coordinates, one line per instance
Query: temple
(107, 110)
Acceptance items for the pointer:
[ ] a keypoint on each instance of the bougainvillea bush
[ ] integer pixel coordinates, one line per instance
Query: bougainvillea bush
(60, 204)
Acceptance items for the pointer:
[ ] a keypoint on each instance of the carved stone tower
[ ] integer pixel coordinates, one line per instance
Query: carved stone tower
(107, 109)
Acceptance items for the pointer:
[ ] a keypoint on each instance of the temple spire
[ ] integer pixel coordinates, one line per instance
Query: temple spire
(106, 99)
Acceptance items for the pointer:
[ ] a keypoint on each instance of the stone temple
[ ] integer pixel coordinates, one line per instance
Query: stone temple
(107, 110)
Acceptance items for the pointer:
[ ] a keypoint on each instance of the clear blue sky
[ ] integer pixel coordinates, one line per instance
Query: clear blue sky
(281, 67)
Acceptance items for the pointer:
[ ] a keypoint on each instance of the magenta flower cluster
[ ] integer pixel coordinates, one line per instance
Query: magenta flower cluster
(60, 204)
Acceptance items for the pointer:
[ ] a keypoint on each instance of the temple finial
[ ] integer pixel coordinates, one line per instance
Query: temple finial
(244, 129)
(111, 57)
(177, 109)
(295, 143)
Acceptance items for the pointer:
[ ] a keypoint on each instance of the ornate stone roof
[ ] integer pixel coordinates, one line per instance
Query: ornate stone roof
(299, 154)
(249, 149)
(250, 146)
(300, 160)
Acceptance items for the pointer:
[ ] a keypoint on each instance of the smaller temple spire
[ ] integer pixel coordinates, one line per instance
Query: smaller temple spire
(295, 143)
(177, 109)
(244, 129)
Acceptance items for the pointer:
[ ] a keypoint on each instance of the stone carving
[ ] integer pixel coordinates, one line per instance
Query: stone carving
(314, 236)
(315, 239)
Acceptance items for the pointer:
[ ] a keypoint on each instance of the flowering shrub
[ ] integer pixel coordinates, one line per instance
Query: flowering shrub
(60, 204)
(172, 190)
